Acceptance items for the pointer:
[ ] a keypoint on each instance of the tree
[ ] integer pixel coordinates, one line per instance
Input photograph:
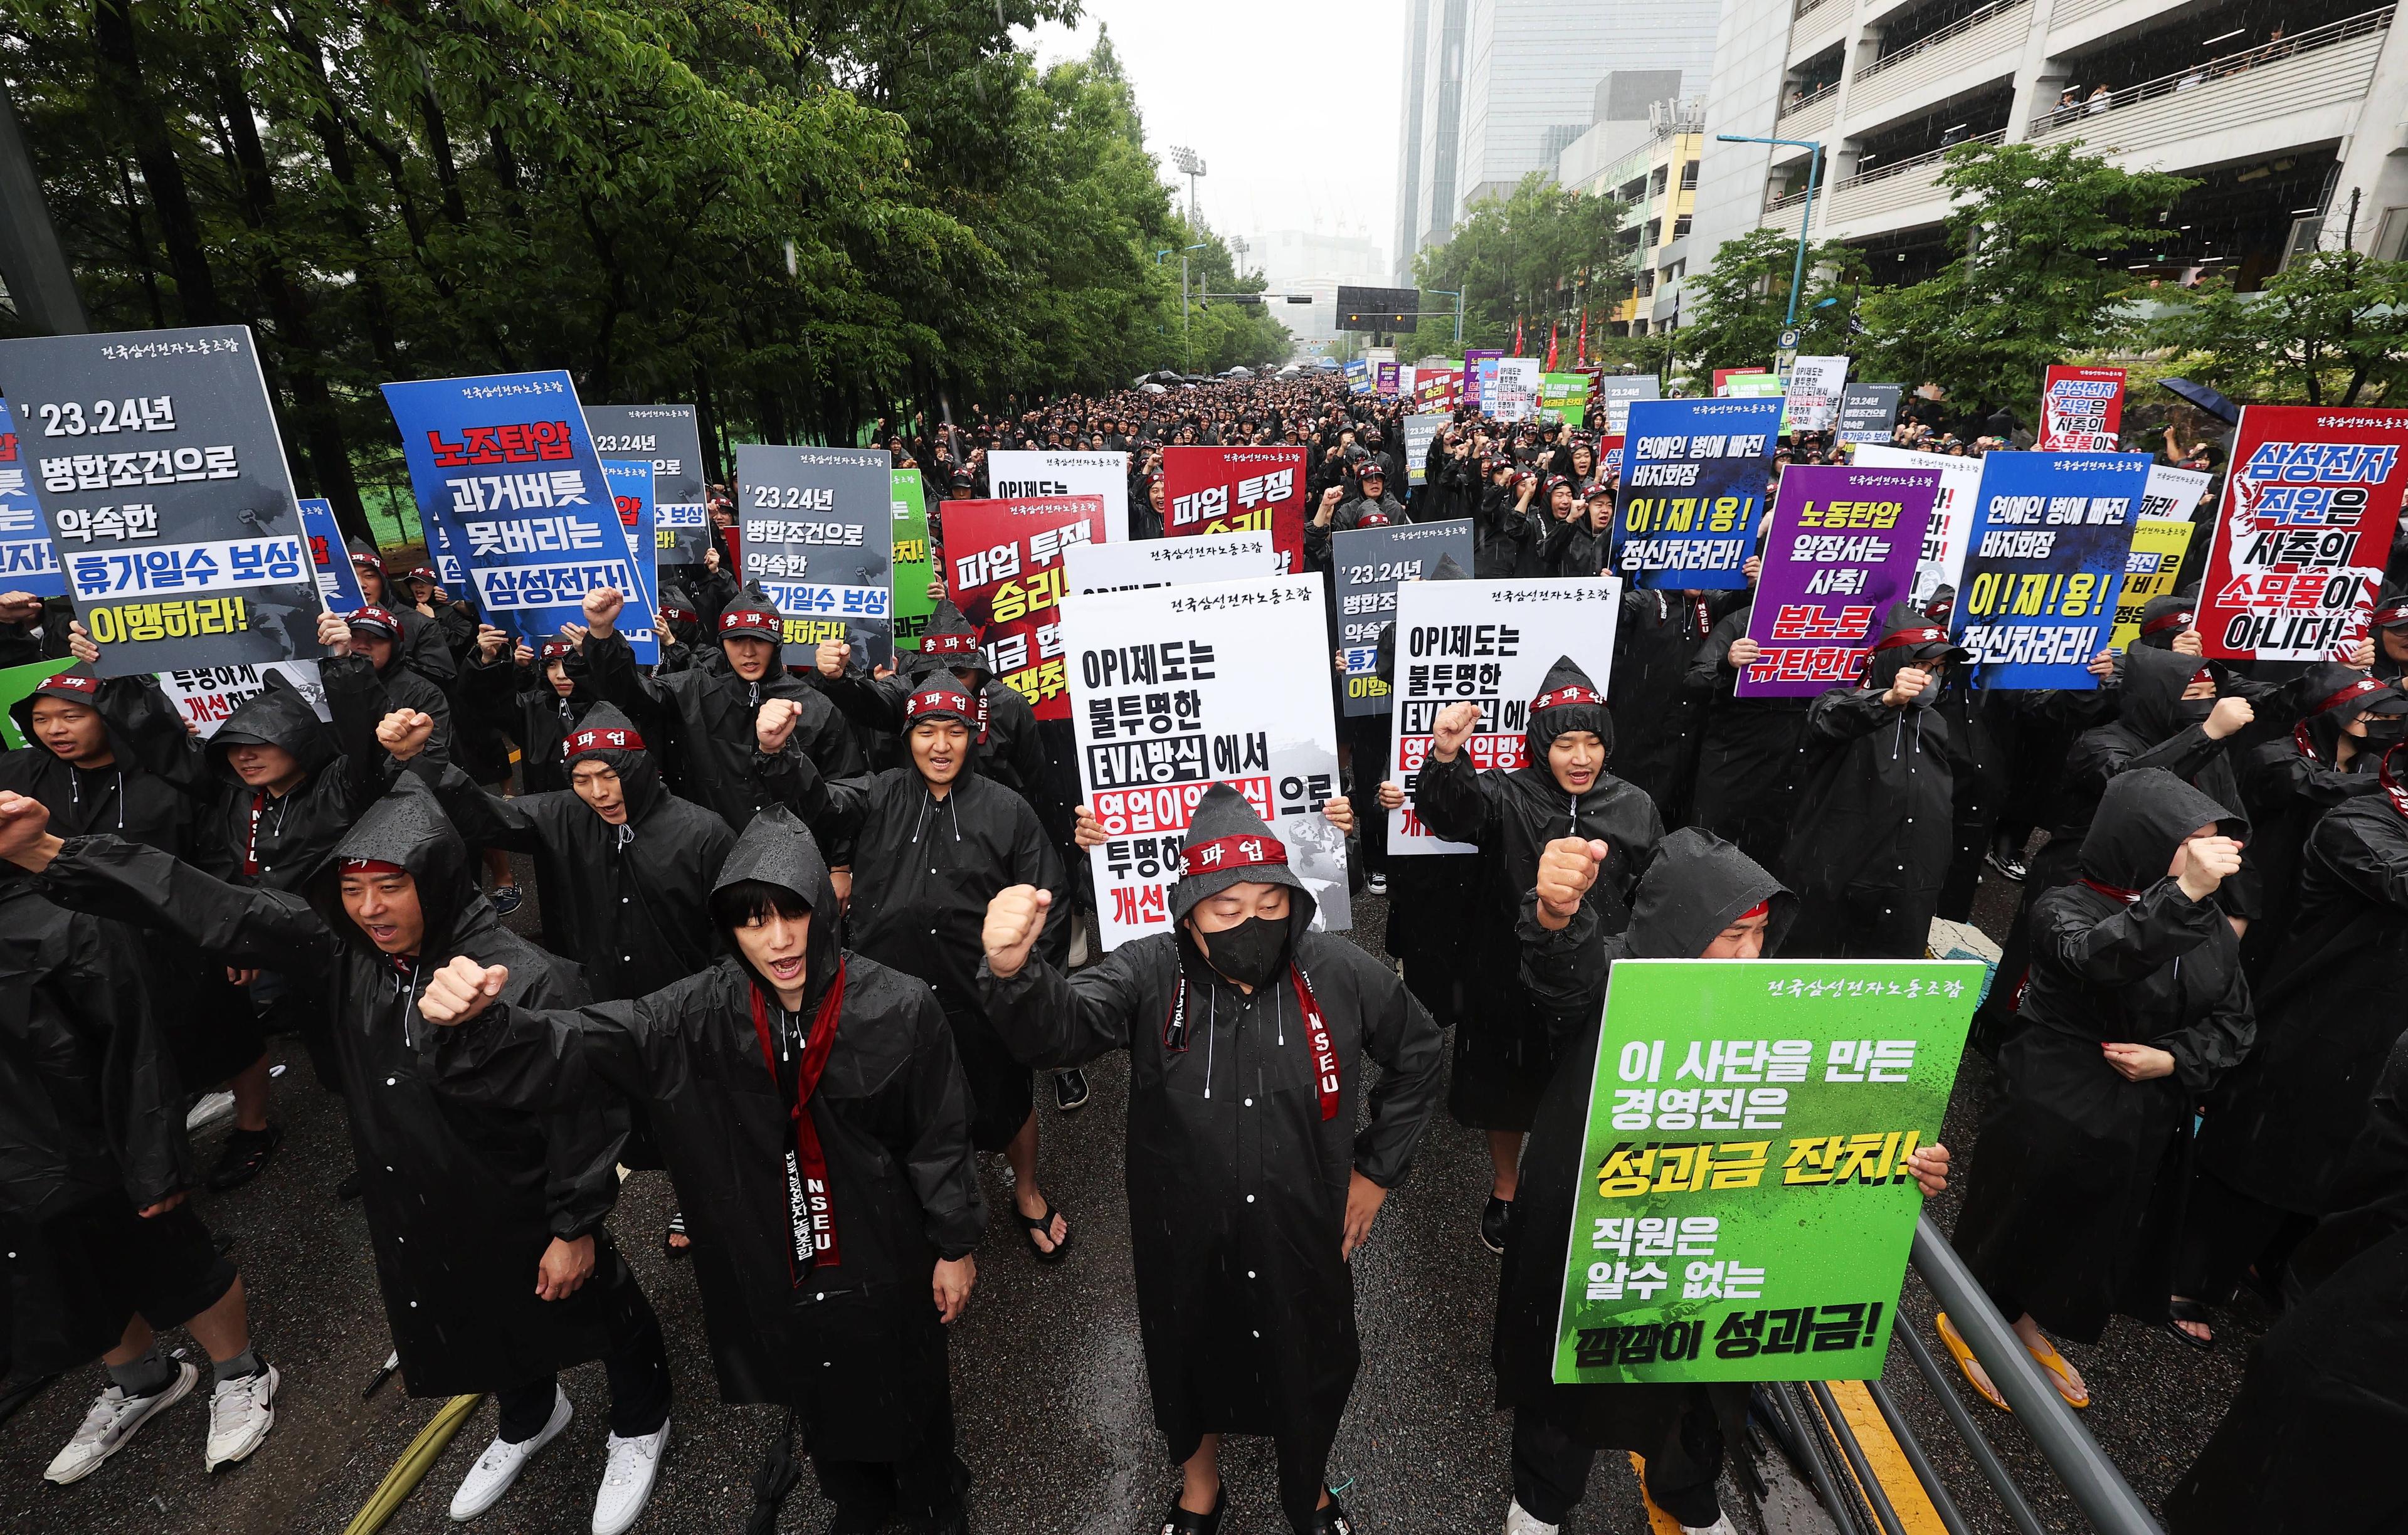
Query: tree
(2044, 233)
(1532, 257)
(1739, 305)
(2321, 331)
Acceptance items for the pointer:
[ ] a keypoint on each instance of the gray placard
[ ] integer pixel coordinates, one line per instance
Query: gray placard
(819, 536)
(667, 435)
(1868, 411)
(1367, 563)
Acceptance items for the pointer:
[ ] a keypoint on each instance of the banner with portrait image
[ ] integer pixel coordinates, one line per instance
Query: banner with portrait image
(1176, 688)
(2304, 531)
(819, 537)
(1840, 549)
(1693, 479)
(1235, 490)
(2081, 410)
(27, 562)
(1487, 643)
(1366, 565)
(2051, 536)
(668, 436)
(1514, 392)
(1003, 569)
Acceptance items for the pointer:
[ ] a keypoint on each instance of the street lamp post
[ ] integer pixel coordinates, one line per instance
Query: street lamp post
(1456, 294)
(1190, 164)
(1813, 147)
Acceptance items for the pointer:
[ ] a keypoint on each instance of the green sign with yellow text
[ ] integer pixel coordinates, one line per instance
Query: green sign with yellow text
(1744, 1208)
(914, 567)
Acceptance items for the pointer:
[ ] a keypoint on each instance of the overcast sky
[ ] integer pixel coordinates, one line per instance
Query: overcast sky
(1292, 104)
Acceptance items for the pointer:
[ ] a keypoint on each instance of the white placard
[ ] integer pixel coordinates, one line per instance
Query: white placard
(2172, 494)
(1814, 387)
(1517, 389)
(1018, 473)
(1176, 688)
(1943, 561)
(1168, 562)
(1487, 642)
(203, 697)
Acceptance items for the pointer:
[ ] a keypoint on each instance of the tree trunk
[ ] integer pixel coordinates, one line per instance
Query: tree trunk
(120, 57)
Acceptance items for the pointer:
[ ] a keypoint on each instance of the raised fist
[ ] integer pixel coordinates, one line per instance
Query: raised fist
(1452, 728)
(460, 990)
(1906, 686)
(602, 606)
(1567, 868)
(1013, 920)
(831, 657)
(775, 723)
(404, 733)
(491, 643)
(334, 634)
(2205, 863)
(2229, 715)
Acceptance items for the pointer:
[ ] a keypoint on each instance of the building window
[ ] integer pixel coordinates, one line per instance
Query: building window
(1656, 183)
(1689, 175)
(1654, 231)
(1680, 226)
(1646, 282)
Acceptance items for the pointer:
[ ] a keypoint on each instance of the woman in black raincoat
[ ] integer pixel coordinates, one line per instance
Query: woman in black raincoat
(2135, 1007)
(1249, 1185)
(1877, 804)
(1504, 1052)
(1750, 753)
(816, 1124)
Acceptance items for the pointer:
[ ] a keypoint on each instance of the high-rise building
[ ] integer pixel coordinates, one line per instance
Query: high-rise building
(1496, 89)
(2283, 110)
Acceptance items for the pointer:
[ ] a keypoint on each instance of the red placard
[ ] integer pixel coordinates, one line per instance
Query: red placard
(2082, 409)
(1003, 569)
(2304, 530)
(1237, 490)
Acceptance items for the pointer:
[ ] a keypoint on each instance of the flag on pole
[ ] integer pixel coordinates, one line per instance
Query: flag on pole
(1517, 336)
(1554, 330)
(1580, 358)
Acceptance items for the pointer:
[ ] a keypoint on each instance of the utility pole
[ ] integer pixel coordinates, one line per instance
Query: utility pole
(33, 264)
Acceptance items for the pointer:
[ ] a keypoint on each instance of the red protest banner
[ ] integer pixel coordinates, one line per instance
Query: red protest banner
(1003, 569)
(2304, 532)
(2081, 410)
(1237, 490)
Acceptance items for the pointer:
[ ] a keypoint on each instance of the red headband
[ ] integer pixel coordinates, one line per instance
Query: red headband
(371, 561)
(2358, 689)
(1761, 909)
(371, 865)
(555, 649)
(72, 683)
(1251, 850)
(608, 738)
(2163, 622)
(377, 617)
(937, 700)
(948, 644)
(680, 615)
(2396, 612)
(1372, 519)
(1572, 693)
(1926, 636)
(747, 618)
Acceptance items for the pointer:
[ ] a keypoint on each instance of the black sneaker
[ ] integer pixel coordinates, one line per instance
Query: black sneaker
(2008, 864)
(1492, 1224)
(1070, 1090)
(506, 899)
(1375, 883)
(246, 1152)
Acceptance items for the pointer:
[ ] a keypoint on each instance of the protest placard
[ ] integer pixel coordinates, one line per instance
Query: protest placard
(631, 495)
(1440, 388)
(1868, 412)
(1565, 396)
(2046, 558)
(1020, 474)
(1003, 569)
(1812, 392)
(1489, 643)
(1840, 549)
(339, 579)
(819, 537)
(1516, 392)
(1168, 562)
(1174, 689)
(155, 458)
(1359, 377)
(1367, 563)
(1744, 1208)
(1616, 391)
(18, 683)
(1420, 432)
(666, 435)
(27, 562)
(1941, 562)
(2081, 410)
(915, 563)
(1693, 479)
(1385, 382)
(2303, 533)
(204, 697)
(2158, 545)
(2174, 493)
(505, 467)
(1234, 490)
(1479, 371)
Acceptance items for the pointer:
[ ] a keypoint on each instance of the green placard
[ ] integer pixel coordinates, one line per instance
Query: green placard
(1744, 1211)
(1565, 395)
(15, 683)
(914, 564)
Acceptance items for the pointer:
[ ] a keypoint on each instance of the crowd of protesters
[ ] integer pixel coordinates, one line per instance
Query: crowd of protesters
(809, 936)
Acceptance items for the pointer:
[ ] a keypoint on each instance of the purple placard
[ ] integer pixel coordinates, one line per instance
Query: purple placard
(1840, 549)
(1473, 358)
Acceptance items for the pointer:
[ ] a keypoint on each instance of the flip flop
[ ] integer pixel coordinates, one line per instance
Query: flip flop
(2190, 1310)
(676, 1228)
(1962, 1353)
(2055, 1364)
(1031, 1224)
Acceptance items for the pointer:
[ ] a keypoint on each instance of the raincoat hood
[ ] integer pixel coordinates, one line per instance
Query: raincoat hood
(1230, 844)
(1565, 710)
(752, 613)
(610, 737)
(1698, 885)
(949, 644)
(1907, 639)
(776, 849)
(685, 619)
(78, 685)
(2162, 618)
(407, 829)
(1448, 570)
(2143, 816)
(278, 716)
(2153, 681)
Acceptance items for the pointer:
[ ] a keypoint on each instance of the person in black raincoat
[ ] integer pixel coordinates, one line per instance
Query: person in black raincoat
(1750, 753)
(2388, 626)
(1877, 804)
(682, 636)
(424, 646)
(1659, 634)
(377, 633)
(1249, 1185)
(1583, 543)
(2275, 1142)
(2135, 1006)
(815, 1121)
(94, 1174)
(1506, 534)
(1700, 898)
(530, 695)
(928, 844)
(486, 1224)
(704, 719)
(1010, 750)
(1504, 1053)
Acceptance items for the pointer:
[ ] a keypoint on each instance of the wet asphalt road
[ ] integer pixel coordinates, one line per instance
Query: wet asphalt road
(1049, 1382)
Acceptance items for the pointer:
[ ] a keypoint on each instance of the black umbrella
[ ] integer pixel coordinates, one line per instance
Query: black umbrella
(2205, 398)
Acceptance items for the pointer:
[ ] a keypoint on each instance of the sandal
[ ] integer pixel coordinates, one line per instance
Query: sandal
(2190, 1310)
(2055, 1364)
(1180, 1521)
(1962, 1353)
(669, 1249)
(1031, 1224)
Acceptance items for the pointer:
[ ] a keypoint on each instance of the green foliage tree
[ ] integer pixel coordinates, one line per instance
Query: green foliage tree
(1737, 306)
(2323, 331)
(2044, 233)
(1534, 255)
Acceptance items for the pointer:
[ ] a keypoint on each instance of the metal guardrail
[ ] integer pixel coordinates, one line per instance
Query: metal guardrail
(1812, 98)
(2214, 69)
(1899, 167)
(1954, 29)
(1805, 6)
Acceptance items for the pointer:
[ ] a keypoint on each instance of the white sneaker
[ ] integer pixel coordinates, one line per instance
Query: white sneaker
(112, 1424)
(241, 1414)
(1722, 1526)
(207, 1109)
(1520, 1521)
(628, 1480)
(501, 1463)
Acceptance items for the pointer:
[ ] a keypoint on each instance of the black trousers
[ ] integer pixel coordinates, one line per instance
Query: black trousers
(924, 1486)
(638, 1364)
(1369, 736)
(2224, 1232)
(1551, 1466)
(1861, 922)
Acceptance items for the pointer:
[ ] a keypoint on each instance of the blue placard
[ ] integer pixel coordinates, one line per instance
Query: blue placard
(27, 562)
(339, 579)
(513, 495)
(1692, 499)
(631, 496)
(2043, 565)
